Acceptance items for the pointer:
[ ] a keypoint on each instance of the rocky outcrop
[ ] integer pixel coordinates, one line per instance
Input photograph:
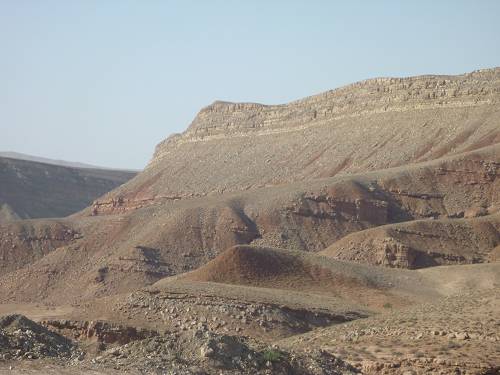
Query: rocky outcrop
(330, 207)
(379, 95)
(100, 331)
(121, 204)
(420, 244)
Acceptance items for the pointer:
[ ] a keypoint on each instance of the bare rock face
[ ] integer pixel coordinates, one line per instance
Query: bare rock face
(377, 95)
(395, 254)
(103, 332)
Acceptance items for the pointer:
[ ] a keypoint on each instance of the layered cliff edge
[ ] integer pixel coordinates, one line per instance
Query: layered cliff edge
(378, 95)
(370, 125)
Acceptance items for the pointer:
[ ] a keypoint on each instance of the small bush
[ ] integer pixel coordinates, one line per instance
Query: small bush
(272, 355)
(387, 305)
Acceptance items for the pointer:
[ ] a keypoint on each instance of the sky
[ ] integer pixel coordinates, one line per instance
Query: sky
(103, 82)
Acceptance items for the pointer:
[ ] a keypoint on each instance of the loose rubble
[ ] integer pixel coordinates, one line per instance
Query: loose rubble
(21, 338)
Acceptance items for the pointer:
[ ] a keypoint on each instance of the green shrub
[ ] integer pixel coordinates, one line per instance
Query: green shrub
(387, 305)
(272, 355)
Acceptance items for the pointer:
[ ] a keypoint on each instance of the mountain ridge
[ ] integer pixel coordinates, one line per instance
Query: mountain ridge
(62, 163)
(324, 146)
(409, 89)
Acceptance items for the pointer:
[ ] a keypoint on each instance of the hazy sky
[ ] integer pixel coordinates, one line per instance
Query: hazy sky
(103, 82)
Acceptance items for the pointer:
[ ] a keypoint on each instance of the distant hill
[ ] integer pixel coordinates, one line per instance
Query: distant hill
(31, 189)
(39, 159)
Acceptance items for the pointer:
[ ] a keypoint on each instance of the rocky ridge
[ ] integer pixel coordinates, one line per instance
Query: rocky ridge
(226, 119)
(319, 136)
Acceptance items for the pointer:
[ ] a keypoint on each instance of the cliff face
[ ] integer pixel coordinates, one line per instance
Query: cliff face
(370, 125)
(373, 96)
